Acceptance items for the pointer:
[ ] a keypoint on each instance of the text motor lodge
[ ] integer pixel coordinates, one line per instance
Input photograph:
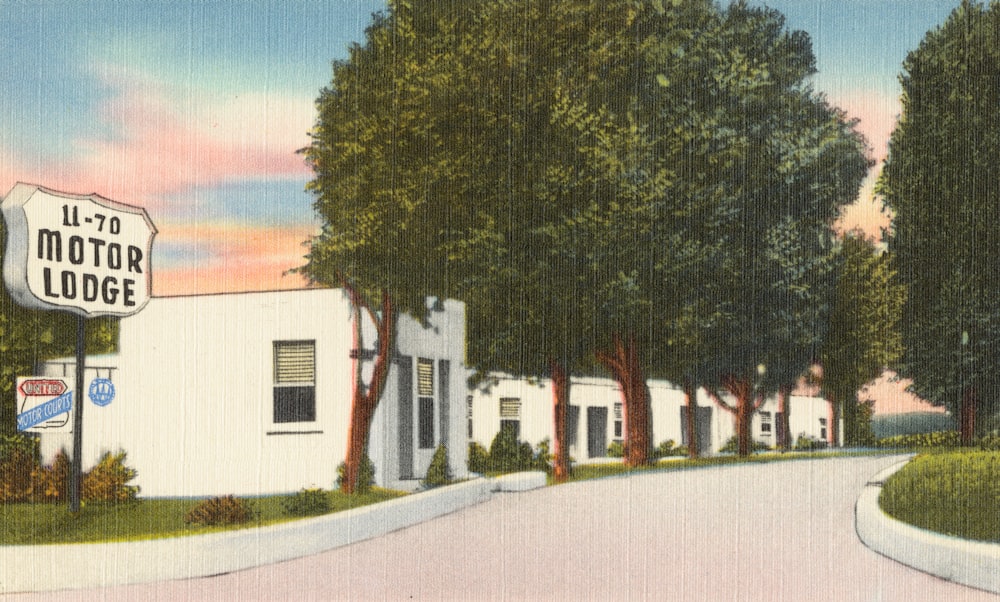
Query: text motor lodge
(91, 266)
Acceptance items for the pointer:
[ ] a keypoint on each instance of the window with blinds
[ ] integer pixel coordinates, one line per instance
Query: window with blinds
(294, 381)
(425, 403)
(510, 407)
(425, 377)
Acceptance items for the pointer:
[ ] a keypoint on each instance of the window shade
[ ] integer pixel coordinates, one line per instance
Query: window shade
(295, 362)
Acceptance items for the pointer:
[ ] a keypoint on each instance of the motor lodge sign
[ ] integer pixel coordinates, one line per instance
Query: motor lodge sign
(80, 253)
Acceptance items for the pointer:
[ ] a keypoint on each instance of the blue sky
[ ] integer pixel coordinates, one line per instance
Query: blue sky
(194, 109)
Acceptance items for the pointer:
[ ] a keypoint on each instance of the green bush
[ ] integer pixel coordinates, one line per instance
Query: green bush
(808, 442)
(989, 442)
(479, 458)
(366, 475)
(308, 502)
(225, 510)
(542, 459)
(507, 454)
(18, 461)
(51, 483)
(669, 448)
(439, 472)
(732, 445)
(957, 493)
(935, 439)
(108, 480)
(616, 449)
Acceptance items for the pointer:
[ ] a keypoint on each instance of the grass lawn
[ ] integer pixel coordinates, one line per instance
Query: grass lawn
(953, 492)
(583, 472)
(32, 524)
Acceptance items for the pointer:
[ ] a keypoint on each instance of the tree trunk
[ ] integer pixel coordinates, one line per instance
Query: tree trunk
(624, 364)
(783, 422)
(743, 411)
(560, 394)
(833, 428)
(967, 417)
(364, 399)
(849, 411)
(690, 422)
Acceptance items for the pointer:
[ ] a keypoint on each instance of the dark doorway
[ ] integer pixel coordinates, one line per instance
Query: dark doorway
(702, 428)
(597, 432)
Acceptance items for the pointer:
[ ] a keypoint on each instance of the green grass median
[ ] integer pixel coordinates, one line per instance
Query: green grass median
(954, 492)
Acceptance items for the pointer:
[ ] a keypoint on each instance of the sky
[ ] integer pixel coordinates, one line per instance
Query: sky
(194, 109)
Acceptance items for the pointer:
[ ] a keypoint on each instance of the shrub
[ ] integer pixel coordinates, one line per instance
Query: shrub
(225, 510)
(935, 439)
(18, 461)
(108, 480)
(616, 449)
(439, 472)
(669, 448)
(51, 483)
(308, 502)
(542, 459)
(733, 444)
(366, 475)
(989, 442)
(479, 458)
(807, 442)
(505, 452)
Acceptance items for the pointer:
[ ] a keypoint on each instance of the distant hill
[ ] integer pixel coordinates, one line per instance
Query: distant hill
(889, 425)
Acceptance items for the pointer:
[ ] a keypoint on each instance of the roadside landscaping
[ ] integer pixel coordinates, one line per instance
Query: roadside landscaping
(955, 492)
(44, 523)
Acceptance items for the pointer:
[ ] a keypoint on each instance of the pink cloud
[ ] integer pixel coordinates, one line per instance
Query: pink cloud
(240, 258)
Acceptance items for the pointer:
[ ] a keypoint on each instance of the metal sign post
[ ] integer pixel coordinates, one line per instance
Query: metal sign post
(76, 471)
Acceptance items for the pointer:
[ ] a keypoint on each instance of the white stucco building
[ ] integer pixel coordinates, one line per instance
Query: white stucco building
(250, 393)
(596, 418)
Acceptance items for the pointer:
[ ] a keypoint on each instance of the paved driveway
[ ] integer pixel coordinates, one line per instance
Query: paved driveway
(779, 531)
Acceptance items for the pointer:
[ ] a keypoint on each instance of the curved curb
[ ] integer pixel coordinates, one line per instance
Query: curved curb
(77, 566)
(972, 563)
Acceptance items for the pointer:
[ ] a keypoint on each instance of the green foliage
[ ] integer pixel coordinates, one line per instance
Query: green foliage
(616, 449)
(366, 475)
(51, 483)
(18, 459)
(479, 458)
(946, 214)
(670, 448)
(863, 337)
(808, 443)
(955, 493)
(224, 510)
(935, 439)
(733, 443)
(507, 454)
(308, 502)
(439, 471)
(108, 480)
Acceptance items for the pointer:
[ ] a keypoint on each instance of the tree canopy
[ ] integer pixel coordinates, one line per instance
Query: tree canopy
(940, 182)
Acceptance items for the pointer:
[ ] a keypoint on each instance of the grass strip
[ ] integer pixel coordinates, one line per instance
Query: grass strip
(34, 524)
(955, 493)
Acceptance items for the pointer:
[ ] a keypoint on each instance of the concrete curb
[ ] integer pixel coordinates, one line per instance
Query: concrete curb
(78, 566)
(972, 563)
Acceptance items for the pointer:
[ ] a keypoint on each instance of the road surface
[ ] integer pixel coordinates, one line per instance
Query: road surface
(766, 532)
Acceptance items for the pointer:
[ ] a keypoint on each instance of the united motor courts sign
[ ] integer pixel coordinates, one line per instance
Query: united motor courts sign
(79, 253)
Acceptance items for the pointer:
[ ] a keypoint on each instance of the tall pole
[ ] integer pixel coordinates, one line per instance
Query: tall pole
(75, 476)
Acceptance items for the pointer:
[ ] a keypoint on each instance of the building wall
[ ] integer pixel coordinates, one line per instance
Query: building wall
(194, 408)
(597, 398)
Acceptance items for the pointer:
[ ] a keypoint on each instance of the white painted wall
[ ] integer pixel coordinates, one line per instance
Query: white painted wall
(194, 404)
(666, 401)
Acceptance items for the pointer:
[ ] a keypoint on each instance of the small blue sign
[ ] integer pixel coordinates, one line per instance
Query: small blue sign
(45, 411)
(101, 391)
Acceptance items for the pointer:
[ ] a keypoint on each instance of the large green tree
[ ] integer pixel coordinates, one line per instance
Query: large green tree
(777, 164)
(940, 182)
(863, 337)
